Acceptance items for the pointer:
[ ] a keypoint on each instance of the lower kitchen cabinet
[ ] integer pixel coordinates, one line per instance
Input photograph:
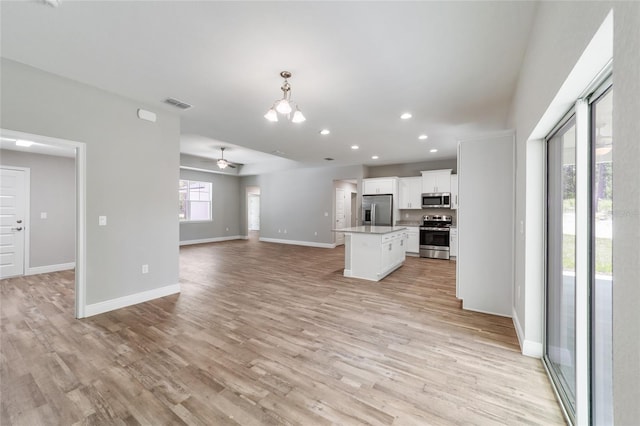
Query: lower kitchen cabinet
(413, 239)
(373, 252)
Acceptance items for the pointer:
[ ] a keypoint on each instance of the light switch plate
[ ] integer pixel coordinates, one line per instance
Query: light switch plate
(102, 221)
(43, 215)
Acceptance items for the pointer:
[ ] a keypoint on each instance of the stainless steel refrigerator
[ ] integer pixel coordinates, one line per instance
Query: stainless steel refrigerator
(377, 210)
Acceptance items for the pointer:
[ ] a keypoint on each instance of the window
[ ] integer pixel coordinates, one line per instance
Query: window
(194, 201)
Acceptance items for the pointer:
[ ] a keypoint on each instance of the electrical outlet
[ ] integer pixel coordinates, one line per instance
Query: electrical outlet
(279, 231)
(102, 221)
(145, 269)
(227, 228)
(315, 233)
(285, 231)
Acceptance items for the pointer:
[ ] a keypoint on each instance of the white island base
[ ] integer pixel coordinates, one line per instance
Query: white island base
(373, 252)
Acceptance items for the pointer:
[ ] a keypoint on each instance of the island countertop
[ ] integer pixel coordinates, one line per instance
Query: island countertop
(370, 229)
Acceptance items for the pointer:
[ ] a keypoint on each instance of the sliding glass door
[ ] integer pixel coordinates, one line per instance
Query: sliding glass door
(602, 257)
(561, 261)
(579, 245)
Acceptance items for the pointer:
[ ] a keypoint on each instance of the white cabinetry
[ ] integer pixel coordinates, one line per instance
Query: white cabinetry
(454, 192)
(371, 255)
(410, 193)
(393, 250)
(379, 186)
(453, 242)
(436, 181)
(413, 239)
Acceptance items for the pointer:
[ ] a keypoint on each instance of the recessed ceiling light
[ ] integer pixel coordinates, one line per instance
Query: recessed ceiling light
(374, 157)
(433, 150)
(422, 137)
(406, 116)
(20, 142)
(325, 131)
(355, 147)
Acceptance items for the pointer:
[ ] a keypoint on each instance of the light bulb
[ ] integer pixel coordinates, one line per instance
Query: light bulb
(283, 106)
(222, 164)
(298, 117)
(271, 115)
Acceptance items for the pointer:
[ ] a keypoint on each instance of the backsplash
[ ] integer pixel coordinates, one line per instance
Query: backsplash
(416, 215)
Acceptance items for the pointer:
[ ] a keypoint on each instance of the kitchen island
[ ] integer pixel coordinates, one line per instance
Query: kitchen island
(373, 252)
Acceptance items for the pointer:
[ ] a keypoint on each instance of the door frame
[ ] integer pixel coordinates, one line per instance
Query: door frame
(81, 184)
(27, 214)
(335, 213)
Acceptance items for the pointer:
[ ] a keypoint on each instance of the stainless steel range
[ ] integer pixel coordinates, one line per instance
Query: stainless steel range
(434, 236)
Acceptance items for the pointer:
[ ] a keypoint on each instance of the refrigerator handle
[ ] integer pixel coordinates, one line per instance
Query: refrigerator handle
(373, 214)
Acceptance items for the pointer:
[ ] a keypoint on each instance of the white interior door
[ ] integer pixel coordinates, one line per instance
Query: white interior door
(254, 212)
(341, 217)
(12, 222)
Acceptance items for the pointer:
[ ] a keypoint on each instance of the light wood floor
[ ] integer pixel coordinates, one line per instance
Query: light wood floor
(267, 334)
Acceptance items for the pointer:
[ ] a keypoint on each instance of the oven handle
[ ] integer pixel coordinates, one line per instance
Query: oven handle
(428, 228)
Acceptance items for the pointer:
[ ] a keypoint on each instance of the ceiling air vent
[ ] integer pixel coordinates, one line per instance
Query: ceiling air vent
(177, 103)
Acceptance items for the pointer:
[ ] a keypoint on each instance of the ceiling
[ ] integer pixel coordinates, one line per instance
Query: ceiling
(356, 67)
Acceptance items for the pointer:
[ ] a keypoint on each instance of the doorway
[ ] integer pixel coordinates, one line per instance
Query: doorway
(253, 213)
(32, 144)
(344, 207)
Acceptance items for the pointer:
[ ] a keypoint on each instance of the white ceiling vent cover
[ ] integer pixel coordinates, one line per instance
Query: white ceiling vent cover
(177, 103)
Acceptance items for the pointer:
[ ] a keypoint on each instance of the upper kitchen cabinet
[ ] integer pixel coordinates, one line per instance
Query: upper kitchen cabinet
(436, 181)
(410, 193)
(379, 186)
(454, 192)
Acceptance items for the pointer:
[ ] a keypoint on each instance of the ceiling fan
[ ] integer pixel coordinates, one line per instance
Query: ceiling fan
(222, 163)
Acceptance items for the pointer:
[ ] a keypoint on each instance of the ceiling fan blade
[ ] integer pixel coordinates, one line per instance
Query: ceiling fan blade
(231, 165)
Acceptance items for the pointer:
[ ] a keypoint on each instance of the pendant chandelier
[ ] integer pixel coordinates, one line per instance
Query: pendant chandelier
(285, 106)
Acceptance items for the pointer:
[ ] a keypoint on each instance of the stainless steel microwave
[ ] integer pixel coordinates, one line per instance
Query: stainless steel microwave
(441, 200)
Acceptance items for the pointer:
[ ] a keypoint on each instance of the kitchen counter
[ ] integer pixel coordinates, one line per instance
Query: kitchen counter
(371, 229)
(373, 252)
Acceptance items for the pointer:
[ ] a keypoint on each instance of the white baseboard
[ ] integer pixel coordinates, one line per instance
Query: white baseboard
(50, 268)
(132, 299)
(212, 240)
(484, 311)
(528, 347)
(298, 243)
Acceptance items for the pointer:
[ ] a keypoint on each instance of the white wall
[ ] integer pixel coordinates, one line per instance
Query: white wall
(411, 169)
(296, 201)
(225, 207)
(561, 32)
(132, 175)
(485, 224)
